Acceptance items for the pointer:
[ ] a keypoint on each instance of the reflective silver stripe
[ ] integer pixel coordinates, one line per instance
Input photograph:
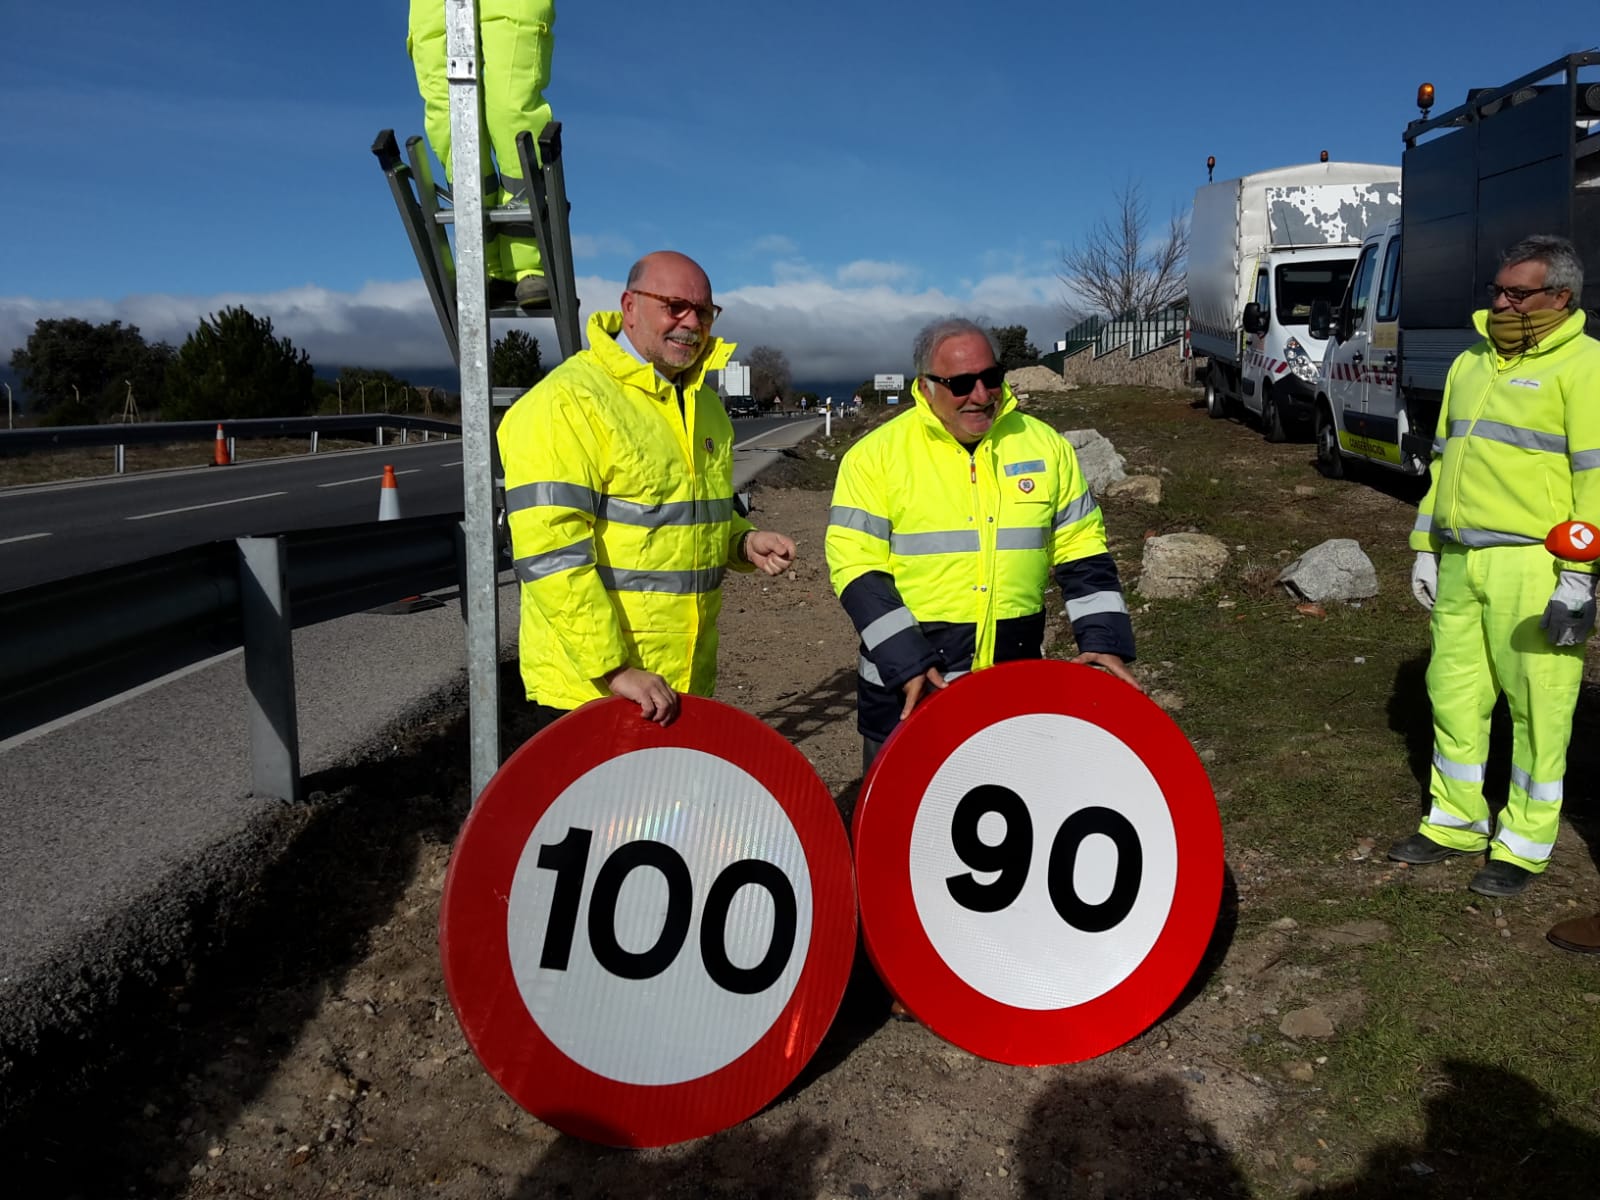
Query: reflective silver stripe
(517, 187)
(1438, 446)
(1511, 435)
(1548, 792)
(677, 583)
(1019, 539)
(886, 626)
(538, 566)
(869, 672)
(952, 541)
(860, 520)
(558, 495)
(671, 512)
(1096, 602)
(1522, 847)
(1424, 523)
(1437, 816)
(1478, 539)
(1465, 772)
(1586, 460)
(1077, 510)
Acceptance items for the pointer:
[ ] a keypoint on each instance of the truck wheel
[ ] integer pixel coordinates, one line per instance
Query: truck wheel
(1330, 459)
(1216, 399)
(1271, 418)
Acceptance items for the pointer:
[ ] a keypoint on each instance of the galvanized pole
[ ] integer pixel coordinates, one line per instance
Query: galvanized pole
(481, 601)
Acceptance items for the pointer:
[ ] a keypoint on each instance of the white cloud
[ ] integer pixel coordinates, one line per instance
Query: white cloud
(830, 331)
(866, 271)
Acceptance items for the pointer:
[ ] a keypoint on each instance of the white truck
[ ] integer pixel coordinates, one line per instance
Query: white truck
(1263, 249)
(1511, 161)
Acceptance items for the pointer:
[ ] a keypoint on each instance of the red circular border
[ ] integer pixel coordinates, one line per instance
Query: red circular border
(473, 919)
(899, 945)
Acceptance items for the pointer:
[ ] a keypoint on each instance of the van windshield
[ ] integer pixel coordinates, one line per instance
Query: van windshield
(1302, 284)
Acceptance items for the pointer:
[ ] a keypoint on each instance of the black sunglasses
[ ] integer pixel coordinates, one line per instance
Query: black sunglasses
(962, 385)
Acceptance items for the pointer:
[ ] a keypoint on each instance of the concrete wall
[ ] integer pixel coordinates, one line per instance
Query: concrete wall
(1163, 368)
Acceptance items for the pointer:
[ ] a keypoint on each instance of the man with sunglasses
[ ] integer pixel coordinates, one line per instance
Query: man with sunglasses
(947, 524)
(619, 496)
(1517, 452)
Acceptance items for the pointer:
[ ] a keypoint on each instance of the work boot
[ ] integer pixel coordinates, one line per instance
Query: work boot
(1420, 850)
(532, 292)
(1500, 879)
(1581, 935)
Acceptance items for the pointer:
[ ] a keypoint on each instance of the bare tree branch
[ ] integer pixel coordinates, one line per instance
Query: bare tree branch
(1115, 270)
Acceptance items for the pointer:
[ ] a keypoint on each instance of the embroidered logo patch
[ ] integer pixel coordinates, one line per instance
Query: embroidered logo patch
(1527, 383)
(710, 446)
(1022, 468)
(1025, 486)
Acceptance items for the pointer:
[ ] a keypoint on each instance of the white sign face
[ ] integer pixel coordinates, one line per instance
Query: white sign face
(888, 383)
(1043, 889)
(659, 916)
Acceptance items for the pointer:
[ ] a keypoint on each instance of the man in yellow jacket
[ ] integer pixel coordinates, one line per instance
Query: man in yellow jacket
(515, 42)
(1517, 451)
(947, 524)
(619, 496)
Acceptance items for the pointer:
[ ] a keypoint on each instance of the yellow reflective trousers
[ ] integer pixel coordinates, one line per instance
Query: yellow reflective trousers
(515, 39)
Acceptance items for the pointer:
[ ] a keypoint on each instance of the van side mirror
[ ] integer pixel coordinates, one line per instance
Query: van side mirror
(1255, 320)
(1321, 319)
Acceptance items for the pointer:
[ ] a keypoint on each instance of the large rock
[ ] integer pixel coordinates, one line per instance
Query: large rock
(1101, 464)
(1337, 569)
(1177, 565)
(1146, 489)
(1036, 379)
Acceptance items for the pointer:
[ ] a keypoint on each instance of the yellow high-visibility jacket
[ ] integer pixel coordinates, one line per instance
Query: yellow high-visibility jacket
(620, 504)
(941, 555)
(1517, 449)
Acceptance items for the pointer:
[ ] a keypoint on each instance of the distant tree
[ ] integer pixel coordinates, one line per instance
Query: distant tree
(515, 361)
(233, 366)
(769, 374)
(101, 361)
(1120, 268)
(1015, 348)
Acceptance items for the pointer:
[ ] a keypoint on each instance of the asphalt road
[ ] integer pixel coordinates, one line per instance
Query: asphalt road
(54, 531)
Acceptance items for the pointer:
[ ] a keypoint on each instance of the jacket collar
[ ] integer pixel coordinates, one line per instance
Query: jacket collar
(935, 427)
(603, 331)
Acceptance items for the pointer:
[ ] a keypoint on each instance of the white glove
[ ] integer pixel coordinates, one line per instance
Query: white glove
(1569, 617)
(1425, 578)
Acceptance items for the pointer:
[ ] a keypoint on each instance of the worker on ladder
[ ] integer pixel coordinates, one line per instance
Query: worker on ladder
(515, 39)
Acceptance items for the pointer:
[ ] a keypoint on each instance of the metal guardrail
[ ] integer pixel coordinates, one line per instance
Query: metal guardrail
(73, 642)
(355, 426)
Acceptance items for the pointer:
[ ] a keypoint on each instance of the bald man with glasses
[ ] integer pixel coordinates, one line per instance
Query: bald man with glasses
(948, 523)
(619, 497)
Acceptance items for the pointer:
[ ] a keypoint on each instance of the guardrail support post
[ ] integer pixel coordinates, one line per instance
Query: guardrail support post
(313, 441)
(269, 668)
(380, 435)
(122, 459)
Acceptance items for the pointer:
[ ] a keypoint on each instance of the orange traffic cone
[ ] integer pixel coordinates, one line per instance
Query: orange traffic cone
(219, 455)
(389, 497)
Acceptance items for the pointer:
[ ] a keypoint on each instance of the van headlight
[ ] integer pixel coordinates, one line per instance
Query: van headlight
(1300, 362)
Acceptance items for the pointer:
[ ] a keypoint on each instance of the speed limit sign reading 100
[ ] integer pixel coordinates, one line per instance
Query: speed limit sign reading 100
(1040, 862)
(646, 931)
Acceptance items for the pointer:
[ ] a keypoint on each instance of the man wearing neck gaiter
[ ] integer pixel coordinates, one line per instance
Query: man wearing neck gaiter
(1517, 451)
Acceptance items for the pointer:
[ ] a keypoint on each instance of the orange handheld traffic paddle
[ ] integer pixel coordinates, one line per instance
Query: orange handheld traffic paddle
(1574, 541)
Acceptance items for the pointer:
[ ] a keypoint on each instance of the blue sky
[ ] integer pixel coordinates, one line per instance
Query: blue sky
(843, 171)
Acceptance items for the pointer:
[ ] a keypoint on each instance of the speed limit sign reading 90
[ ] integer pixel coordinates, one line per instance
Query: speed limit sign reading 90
(646, 931)
(1040, 862)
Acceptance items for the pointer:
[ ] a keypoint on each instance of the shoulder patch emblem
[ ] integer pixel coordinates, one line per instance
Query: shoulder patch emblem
(1025, 485)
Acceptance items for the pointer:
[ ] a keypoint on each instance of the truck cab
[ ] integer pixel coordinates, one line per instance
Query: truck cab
(1360, 410)
(1282, 361)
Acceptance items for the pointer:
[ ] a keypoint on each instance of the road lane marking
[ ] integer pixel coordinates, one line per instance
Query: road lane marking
(197, 507)
(26, 537)
(367, 478)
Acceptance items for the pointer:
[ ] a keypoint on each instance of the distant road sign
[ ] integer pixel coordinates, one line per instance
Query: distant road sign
(646, 931)
(1040, 862)
(888, 383)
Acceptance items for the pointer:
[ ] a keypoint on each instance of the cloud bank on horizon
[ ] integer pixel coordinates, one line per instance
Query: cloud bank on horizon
(847, 324)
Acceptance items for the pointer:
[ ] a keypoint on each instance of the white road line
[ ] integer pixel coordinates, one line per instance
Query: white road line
(26, 537)
(196, 507)
(457, 463)
(367, 478)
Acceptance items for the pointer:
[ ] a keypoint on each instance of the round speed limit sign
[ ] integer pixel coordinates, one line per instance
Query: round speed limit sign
(646, 931)
(1040, 862)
